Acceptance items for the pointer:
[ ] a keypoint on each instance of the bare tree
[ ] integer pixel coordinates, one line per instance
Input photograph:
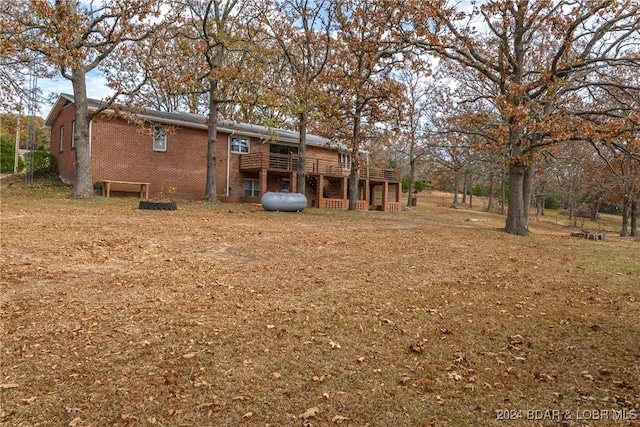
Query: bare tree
(412, 117)
(624, 180)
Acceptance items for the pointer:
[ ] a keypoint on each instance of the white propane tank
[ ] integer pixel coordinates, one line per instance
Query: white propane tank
(285, 202)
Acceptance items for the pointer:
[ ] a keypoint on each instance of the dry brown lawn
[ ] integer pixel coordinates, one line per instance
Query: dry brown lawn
(229, 315)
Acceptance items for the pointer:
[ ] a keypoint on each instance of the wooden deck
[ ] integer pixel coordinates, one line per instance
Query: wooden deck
(283, 162)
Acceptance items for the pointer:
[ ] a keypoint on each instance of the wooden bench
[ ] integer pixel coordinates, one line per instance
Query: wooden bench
(144, 187)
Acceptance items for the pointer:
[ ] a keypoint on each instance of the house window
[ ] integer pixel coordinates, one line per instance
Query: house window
(344, 160)
(252, 188)
(159, 138)
(73, 134)
(61, 139)
(283, 149)
(239, 145)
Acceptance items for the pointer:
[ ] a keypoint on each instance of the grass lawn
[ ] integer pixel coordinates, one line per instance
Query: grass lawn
(229, 315)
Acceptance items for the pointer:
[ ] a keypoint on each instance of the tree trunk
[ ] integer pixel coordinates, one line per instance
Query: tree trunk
(570, 202)
(634, 218)
(539, 206)
(516, 212)
(517, 215)
(412, 178)
(465, 189)
(83, 185)
(212, 143)
(302, 152)
(626, 210)
(503, 193)
(354, 180)
(527, 190)
(540, 201)
(456, 183)
(490, 203)
(595, 209)
(570, 210)
(354, 187)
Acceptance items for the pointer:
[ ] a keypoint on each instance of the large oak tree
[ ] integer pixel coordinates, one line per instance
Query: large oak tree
(76, 38)
(533, 55)
(365, 52)
(210, 31)
(301, 30)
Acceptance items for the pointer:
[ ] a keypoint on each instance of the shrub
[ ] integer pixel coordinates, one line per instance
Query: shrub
(418, 185)
(43, 163)
(552, 202)
(609, 209)
(7, 156)
(480, 190)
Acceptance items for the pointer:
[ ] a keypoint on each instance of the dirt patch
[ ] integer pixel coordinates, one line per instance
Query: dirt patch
(230, 315)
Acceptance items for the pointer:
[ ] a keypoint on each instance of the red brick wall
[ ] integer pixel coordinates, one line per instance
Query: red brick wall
(236, 178)
(65, 159)
(322, 153)
(123, 151)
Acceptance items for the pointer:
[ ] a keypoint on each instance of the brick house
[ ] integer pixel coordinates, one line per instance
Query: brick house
(169, 151)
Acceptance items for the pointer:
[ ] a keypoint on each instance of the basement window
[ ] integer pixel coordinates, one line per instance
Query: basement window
(252, 188)
(159, 138)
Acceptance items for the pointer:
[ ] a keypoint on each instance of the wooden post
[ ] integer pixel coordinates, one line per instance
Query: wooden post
(293, 182)
(385, 195)
(367, 192)
(320, 191)
(263, 181)
(345, 187)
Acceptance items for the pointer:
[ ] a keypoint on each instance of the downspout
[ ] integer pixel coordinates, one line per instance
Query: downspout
(229, 161)
(91, 163)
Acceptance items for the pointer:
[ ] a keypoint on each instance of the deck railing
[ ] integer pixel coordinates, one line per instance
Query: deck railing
(283, 162)
(362, 205)
(393, 207)
(338, 204)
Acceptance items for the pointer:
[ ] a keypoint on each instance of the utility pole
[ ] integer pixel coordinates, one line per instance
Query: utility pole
(17, 152)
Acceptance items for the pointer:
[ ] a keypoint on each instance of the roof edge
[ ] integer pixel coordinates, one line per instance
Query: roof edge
(178, 119)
